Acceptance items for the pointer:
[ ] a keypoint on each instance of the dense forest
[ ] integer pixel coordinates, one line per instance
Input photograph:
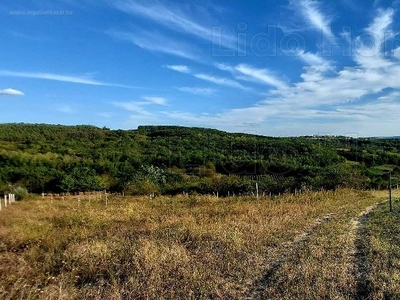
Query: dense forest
(173, 159)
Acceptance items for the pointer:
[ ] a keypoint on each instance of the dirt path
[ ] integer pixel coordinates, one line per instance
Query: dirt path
(258, 287)
(354, 256)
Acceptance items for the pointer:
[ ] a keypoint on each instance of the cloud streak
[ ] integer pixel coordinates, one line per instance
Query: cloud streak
(197, 91)
(179, 68)
(376, 34)
(154, 100)
(172, 18)
(139, 107)
(313, 16)
(155, 42)
(260, 75)
(11, 92)
(220, 81)
(57, 77)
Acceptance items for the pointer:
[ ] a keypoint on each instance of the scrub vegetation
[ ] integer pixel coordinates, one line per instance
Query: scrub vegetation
(170, 160)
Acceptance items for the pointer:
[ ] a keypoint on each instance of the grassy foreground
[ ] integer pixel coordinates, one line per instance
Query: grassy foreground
(381, 251)
(293, 247)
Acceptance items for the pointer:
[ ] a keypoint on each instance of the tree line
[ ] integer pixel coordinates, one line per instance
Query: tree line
(174, 159)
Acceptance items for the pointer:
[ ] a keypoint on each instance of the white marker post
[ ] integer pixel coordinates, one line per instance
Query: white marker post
(5, 200)
(257, 189)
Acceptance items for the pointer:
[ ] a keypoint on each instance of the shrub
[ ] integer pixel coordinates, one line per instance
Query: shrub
(142, 187)
(20, 192)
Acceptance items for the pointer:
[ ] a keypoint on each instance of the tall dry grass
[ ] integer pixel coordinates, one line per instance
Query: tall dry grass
(178, 248)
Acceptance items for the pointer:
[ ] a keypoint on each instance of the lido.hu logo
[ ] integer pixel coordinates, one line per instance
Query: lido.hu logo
(274, 41)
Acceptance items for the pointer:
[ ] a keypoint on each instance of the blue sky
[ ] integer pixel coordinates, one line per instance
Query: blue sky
(280, 68)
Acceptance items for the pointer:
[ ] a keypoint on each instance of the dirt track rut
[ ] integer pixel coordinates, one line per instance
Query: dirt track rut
(356, 256)
(257, 289)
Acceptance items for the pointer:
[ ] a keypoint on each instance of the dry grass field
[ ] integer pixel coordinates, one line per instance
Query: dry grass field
(316, 245)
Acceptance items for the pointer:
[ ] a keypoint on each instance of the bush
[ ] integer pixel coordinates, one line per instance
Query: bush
(20, 192)
(143, 187)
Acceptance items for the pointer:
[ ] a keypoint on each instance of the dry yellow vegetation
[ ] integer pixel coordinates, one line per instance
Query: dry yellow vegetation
(197, 247)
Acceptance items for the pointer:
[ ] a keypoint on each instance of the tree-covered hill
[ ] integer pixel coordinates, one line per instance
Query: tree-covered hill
(173, 159)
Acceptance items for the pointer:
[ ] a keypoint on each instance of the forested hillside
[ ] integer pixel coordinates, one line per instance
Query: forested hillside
(171, 159)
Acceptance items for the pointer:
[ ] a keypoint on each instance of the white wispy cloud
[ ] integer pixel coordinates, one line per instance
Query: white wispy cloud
(139, 107)
(57, 77)
(287, 119)
(369, 76)
(253, 74)
(392, 96)
(220, 81)
(315, 60)
(197, 90)
(133, 106)
(381, 24)
(11, 92)
(225, 67)
(370, 54)
(155, 42)
(173, 18)
(179, 68)
(311, 11)
(154, 100)
(396, 53)
(260, 75)
(365, 95)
